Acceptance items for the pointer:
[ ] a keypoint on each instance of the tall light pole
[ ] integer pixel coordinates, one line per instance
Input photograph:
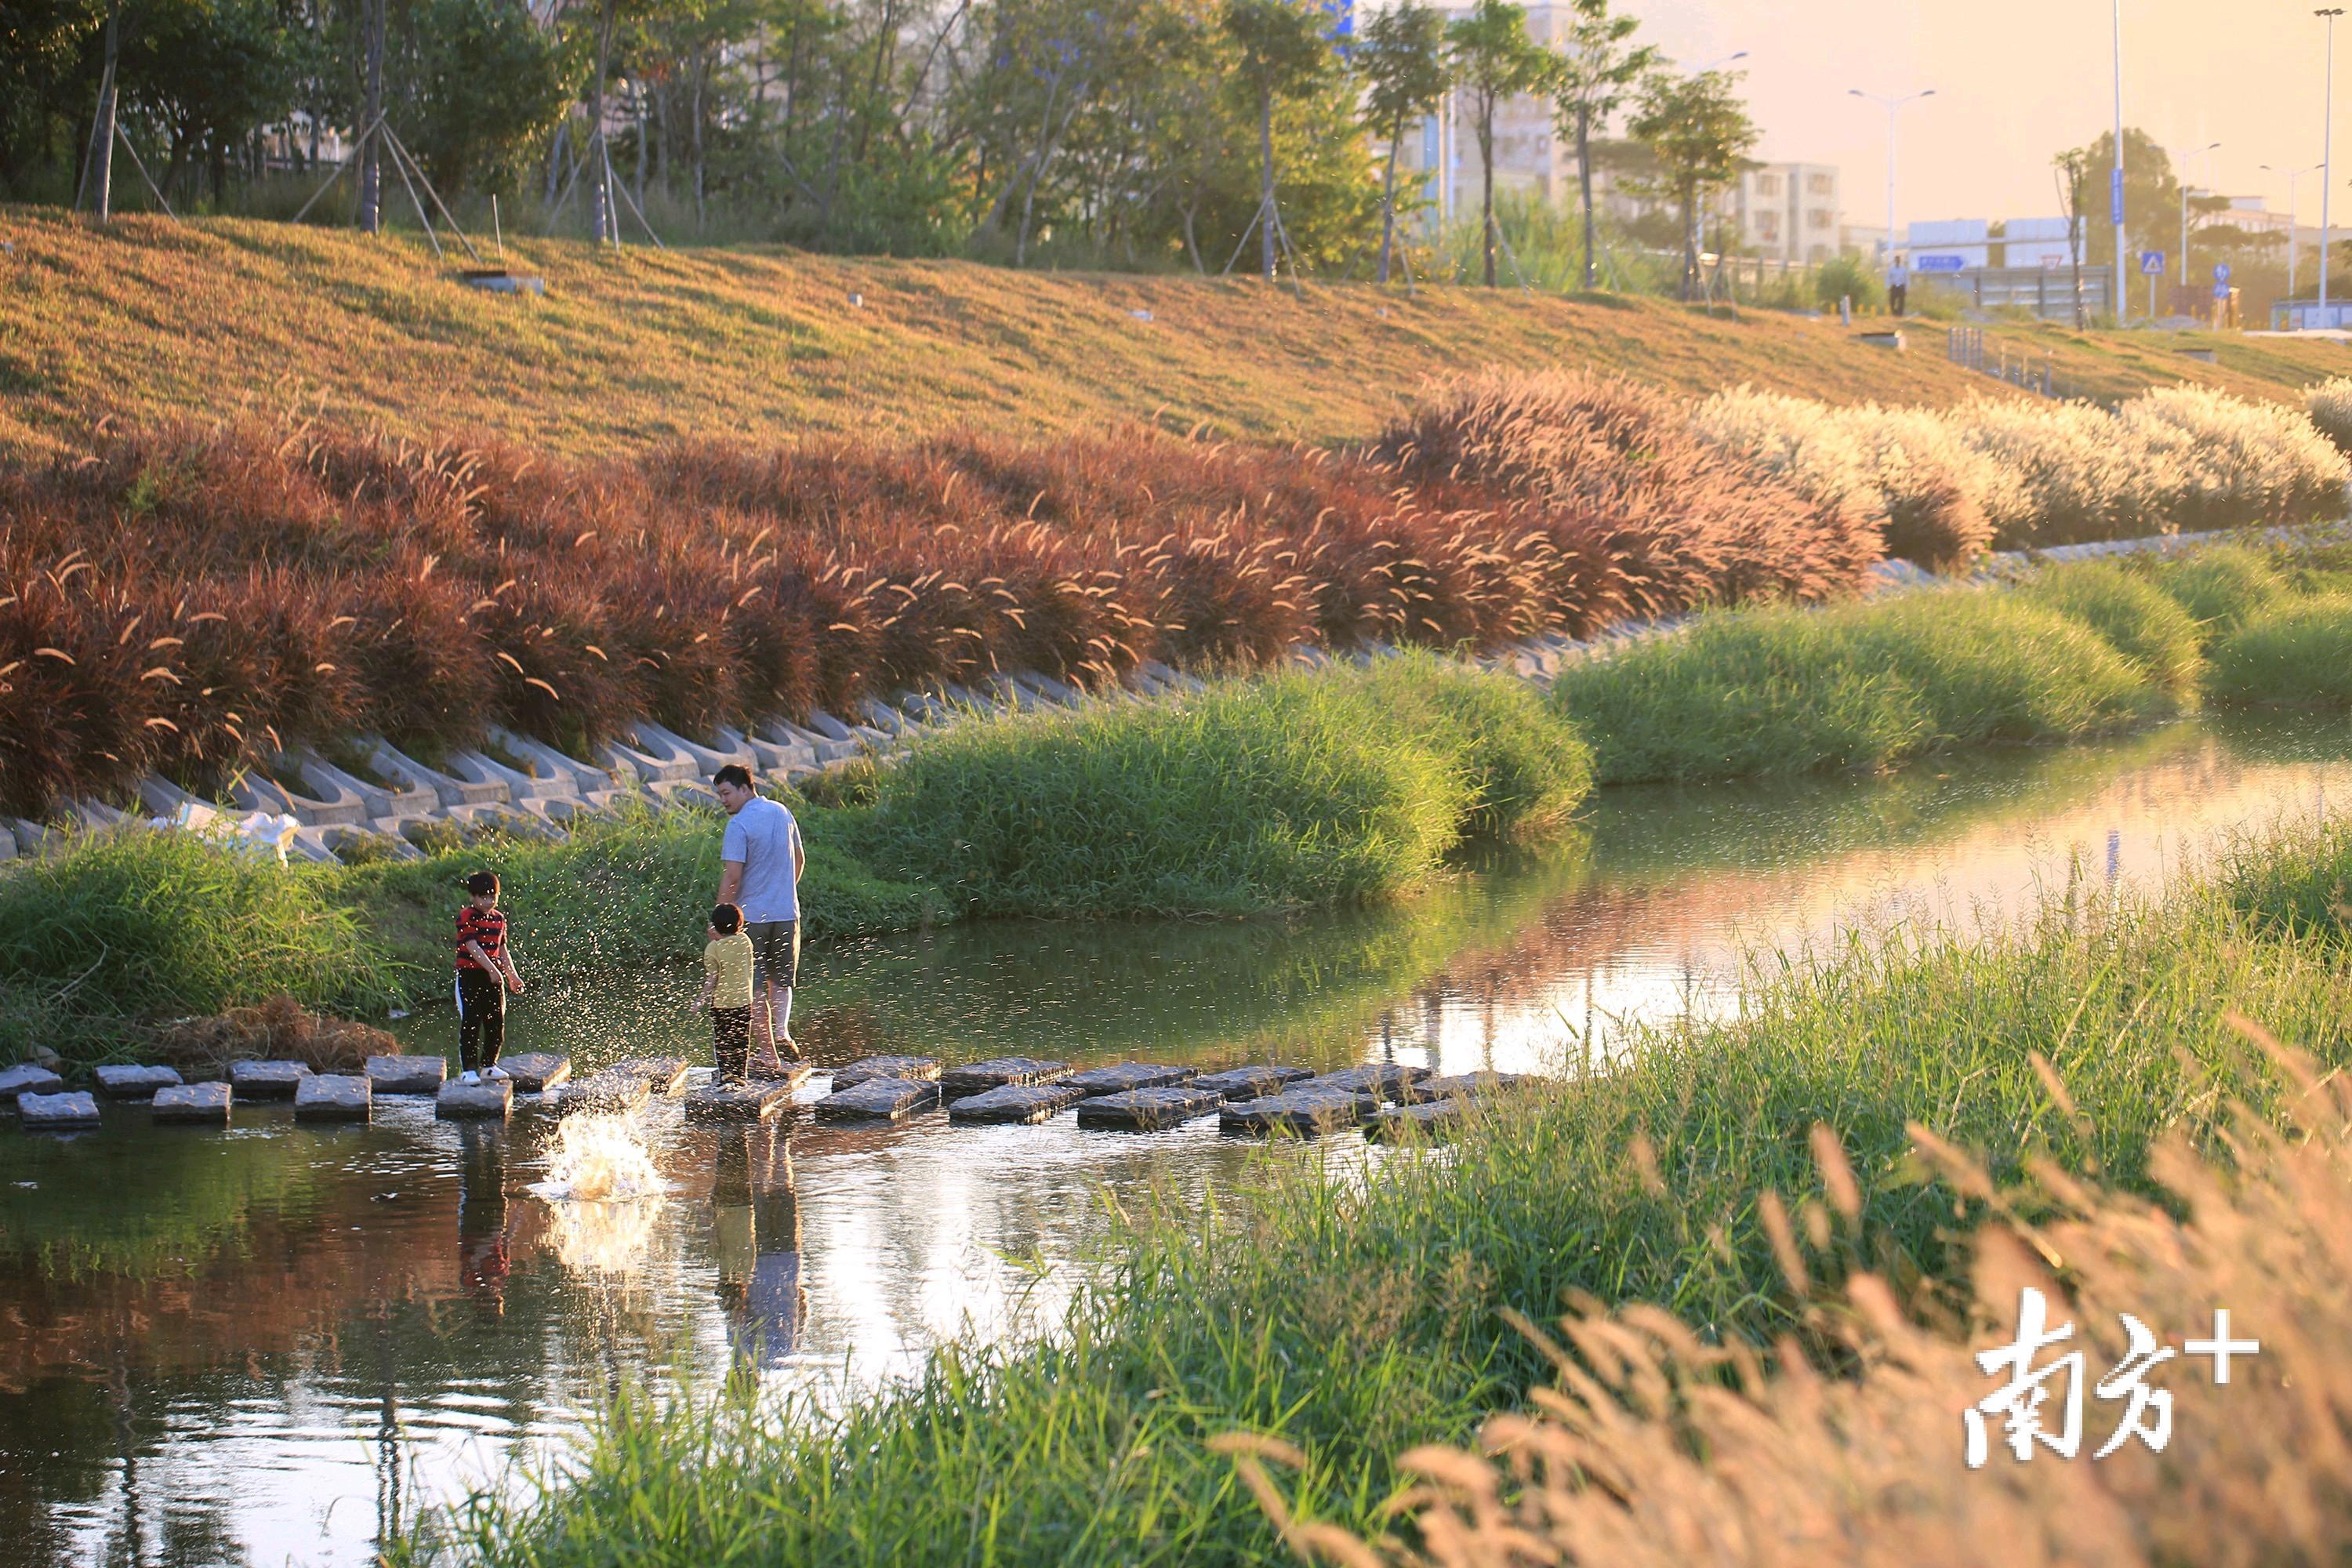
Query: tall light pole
(2327, 152)
(2292, 174)
(1698, 235)
(2184, 211)
(2115, 180)
(1891, 105)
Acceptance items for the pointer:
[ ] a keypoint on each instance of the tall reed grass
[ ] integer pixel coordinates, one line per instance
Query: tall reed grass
(1354, 1314)
(2292, 655)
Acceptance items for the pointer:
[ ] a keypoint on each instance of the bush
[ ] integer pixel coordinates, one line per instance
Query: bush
(2292, 655)
(1849, 277)
(2221, 587)
(1774, 691)
(2141, 622)
(2329, 404)
(1526, 770)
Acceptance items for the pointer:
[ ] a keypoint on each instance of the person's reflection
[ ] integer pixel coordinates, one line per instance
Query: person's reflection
(484, 1231)
(757, 1220)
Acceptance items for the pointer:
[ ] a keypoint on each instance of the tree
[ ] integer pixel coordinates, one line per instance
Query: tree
(2068, 167)
(1403, 59)
(1495, 59)
(1600, 66)
(479, 81)
(2151, 196)
(1698, 129)
(1284, 48)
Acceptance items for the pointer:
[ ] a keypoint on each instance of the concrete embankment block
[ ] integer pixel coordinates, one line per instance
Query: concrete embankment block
(205, 1103)
(1019, 1103)
(407, 1074)
(334, 1097)
(536, 1073)
(1252, 1082)
(999, 1072)
(1309, 1108)
(118, 1082)
(48, 1112)
(753, 1102)
(1150, 1109)
(1126, 1076)
(28, 1078)
(267, 1081)
(488, 1100)
(879, 1100)
(923, 1068)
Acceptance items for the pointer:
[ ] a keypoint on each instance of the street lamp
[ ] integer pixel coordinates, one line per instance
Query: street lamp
(2327, 152)
(2184, 211)
(2292, 175)
(2116, 189)
(1891, 104)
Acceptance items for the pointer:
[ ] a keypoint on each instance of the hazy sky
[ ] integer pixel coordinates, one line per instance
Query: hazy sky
(2017, 80)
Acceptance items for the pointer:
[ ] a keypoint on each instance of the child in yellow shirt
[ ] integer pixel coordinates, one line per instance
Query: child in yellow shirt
(726, 992)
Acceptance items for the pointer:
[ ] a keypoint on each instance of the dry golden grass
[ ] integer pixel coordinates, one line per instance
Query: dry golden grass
(1656, 1447)
(152, 321)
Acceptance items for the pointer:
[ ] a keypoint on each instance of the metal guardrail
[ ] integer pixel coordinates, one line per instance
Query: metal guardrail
(1966, 347)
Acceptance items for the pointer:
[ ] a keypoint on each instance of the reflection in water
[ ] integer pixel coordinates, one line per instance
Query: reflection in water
(260, 1346)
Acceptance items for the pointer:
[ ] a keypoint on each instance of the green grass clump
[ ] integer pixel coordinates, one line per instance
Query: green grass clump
(1787, 690)
(1356, 1314)
(2292, 654)
(2147, 627)
(1303, 788)
(2220, 587)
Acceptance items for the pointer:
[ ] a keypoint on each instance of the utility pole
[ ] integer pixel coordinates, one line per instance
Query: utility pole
(1891, 104)
(2327, 152)
(2116, 183)
(2184, 211)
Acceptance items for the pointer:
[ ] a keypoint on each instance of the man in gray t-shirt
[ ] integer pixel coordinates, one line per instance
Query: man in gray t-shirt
(761, 861)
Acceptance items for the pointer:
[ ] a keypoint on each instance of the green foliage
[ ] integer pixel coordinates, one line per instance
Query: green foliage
(1783, 691)
(1493, 60)
(1698, 131)
(1526, 770)
(2296, 654)
(2141, 622)
(2221, 587)
(1849, 277)
(481, 83)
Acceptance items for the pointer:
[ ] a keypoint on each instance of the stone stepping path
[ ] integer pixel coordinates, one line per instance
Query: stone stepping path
(1150, 1109)
(1127, 1076)
(1017, 1104)
(1312, 1107)
(1252, 1082)
(407, 1074)
(334, 1097)
(879, 1100)
(536, 1073)
(205, 1103)
(795, 1075)
(267, 1081)
(753, 1102)
(44, 1112)
(999, 1072)
(29, 1078)
(662, 1075)
(1465, 1084)
(492, 1100)
(606, 1091)
(116, 1082)
(1389, 1081)
(1428, 1118)
(925, 1068)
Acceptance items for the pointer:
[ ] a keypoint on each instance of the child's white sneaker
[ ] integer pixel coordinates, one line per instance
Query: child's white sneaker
(469, 1077)
(496, 1074)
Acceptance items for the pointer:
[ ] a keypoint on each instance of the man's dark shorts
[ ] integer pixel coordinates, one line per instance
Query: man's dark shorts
(775, 954)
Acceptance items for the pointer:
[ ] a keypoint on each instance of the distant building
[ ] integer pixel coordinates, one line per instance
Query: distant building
(1787, 212)
(2034, 242)
(1949, 244)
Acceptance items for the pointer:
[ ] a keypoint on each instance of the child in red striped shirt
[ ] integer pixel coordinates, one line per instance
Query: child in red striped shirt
(484, 962)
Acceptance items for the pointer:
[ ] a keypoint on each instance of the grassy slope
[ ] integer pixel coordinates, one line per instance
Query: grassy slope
(152, 321)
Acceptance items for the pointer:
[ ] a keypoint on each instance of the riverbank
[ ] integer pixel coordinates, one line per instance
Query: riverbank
(1354, 1319)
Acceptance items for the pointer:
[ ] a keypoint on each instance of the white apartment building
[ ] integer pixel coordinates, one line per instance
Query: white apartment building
(1787, 212)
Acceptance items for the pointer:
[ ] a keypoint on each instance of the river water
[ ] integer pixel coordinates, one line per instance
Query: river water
(275, 1344)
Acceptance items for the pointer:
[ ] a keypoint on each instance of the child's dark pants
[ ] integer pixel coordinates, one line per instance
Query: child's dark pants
(481, 1019)
(730, 1043)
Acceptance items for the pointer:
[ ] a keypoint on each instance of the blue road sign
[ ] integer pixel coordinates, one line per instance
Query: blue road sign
(2115, 195)
(2221, 273)
(1943, 263)
(2152, 263)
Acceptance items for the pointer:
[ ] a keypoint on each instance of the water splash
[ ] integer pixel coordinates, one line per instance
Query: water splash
(599, 1159)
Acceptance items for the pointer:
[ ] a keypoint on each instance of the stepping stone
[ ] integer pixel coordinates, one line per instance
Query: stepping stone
(132, 1083)
(198, 1102)
(44, 1111)
(879, 1100)
(334, 1097)
(1252, 1082)
(866, 1068)
(266, 1080)
(1467, 1085)
(1150, 1109)
(488, 1100)
(795, 1075)
(407, 1074)
(1387, 1079)
(663, 1074)
(1312, 1107)
(606, 1091)
(753, 1102)
(1019, 1103)
(1430, 1118)
(29, 1078)
(1126, 1075)
(999, 1072)
(536, 1073)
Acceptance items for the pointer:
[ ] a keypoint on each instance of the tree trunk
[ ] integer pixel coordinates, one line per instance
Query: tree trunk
(1584, 180)
(370, 110)
(1486, 188)
(1388, 196)
(1690, 239)
(1265, 181)
(102, 133)
(701, 74)
(601, 227)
